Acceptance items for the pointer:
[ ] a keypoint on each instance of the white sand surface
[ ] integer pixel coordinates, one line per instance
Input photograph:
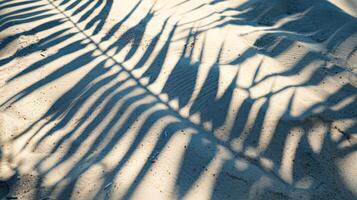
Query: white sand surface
(178, 99)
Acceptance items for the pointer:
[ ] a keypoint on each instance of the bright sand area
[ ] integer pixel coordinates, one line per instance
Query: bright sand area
(178, 99)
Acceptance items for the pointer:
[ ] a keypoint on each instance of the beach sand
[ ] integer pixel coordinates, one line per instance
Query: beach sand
(188, 99)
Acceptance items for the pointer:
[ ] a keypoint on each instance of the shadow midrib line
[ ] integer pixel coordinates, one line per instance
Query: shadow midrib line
(207, 134)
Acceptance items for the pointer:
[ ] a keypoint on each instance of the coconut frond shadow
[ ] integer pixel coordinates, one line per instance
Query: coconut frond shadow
(167, 107)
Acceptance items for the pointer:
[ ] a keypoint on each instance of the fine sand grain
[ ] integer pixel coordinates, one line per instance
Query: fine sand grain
(178, 99)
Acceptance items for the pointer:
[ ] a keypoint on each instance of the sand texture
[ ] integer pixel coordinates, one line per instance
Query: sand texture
(178, 99)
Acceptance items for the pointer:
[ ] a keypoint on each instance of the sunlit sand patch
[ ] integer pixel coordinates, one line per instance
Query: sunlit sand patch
(188, 99)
